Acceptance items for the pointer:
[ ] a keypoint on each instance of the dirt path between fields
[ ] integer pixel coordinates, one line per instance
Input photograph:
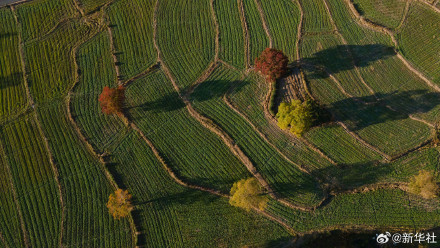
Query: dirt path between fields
(246, 34)
(37, 121)
(264, 22)
(404, 15)
(378, 28)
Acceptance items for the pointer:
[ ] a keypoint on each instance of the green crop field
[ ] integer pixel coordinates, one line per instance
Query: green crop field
(196, 119)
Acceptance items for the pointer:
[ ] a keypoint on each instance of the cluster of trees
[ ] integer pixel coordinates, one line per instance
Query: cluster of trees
(424, 184)
(112, 100)
(248, 194)
(119, 205)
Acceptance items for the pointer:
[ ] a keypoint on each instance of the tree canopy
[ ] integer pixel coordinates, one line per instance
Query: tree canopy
(119, 204)
(424, 184)
(296, 115)
(112, 100)
(272, 63)
(247, 194)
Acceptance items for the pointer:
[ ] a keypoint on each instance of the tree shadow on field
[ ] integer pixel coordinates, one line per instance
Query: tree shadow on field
(214, 89)
(11, 80)
(348, 176)
(361, 112)
(341, 58)
(7, 35)
(167, 103)
(183, 196)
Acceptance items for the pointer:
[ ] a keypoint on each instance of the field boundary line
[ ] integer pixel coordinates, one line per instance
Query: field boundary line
(349, 52)
(246, 34)
(14, 195)
(405, 15)
(433, 6)
(263, 21)
(140, 75)
(37, 121)
(298, 55)
(272, 120)
(198, 187)
(208, 123)
(202, 188)
(217, 31)
(115, 59)
(83, 139)
(44, 137)
(379, 28)
(77, 5)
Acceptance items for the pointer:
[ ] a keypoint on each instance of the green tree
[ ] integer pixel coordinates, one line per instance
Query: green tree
(247, 194)
(424, 184)
(296, 115)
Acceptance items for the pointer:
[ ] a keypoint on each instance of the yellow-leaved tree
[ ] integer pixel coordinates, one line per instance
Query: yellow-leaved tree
(424, 184)
(297, 116)
(247, 194)
(119, 204)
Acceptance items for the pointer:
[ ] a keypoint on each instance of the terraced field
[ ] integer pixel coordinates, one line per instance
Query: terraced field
(196, 120)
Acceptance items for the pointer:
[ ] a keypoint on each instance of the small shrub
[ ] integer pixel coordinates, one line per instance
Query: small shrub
(119, 204)
(248, 193)
(424, 184)
(296, 115)
(272, 64)
(112, 100)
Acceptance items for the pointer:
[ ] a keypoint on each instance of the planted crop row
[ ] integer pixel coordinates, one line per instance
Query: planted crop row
(390, 79)
(284, 177)
(316, 17)
(12, 91)
(338, 144)
(329, 53)
(167, 214)
(49, 62)
(9, 215)
(390, 131)
(357, 170)
(90, 6)
(258, 39)
(170, 215)
(252, 108)
(283, 18)
(231, 32)
(34, 181)
(39, 17)
(186, 36)
(85, 189)
(132, 28)
(419, 40)
(387, 13)
(97, 71)
(381, 208)
(194, 152)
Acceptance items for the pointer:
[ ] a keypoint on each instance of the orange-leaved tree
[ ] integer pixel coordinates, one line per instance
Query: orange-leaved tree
(119, 204)
(272, 63)
(112, 100)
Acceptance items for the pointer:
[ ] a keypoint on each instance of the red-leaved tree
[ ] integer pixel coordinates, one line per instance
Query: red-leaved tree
(272, 63)
(112, 100)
